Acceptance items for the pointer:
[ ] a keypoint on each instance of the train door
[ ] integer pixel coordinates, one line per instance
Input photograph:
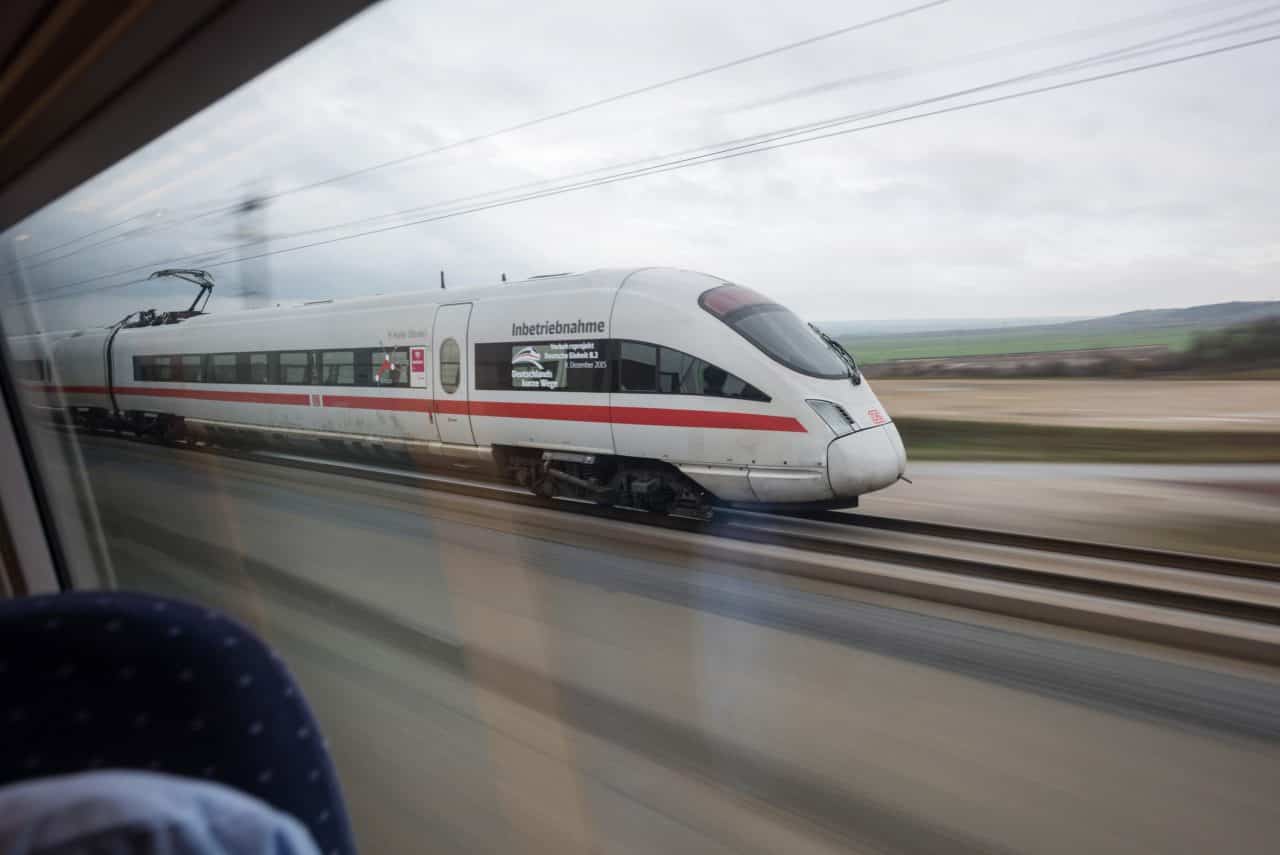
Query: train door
(452, 399)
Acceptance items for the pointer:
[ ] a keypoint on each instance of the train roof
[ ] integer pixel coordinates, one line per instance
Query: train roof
(605, 279)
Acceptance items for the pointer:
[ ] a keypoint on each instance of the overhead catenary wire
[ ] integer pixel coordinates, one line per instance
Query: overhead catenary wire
(519, 126)
(716, 151)
(1128, 52)
(723, 155)
(1084, 32)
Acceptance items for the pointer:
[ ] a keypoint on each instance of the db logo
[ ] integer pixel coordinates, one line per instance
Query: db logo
(877, 417)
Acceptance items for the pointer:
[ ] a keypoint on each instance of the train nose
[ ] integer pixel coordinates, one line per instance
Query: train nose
(865, 461)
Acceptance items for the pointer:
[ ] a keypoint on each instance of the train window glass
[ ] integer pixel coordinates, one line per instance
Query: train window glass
(259, 368)
(679, 373)
(736, 387)
(337, 367)
(363, 368)
(493, 366)
(580, 365)
(388, 368)
(192, 369)
(637, 367)
(222, 367)
(774, 329)
(450, 365)
(295, 368)
(682, 374)
(152, 368)
(29, 369)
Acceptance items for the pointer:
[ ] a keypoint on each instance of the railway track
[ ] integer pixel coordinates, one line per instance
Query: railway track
(1186, 584)
(1110, 551)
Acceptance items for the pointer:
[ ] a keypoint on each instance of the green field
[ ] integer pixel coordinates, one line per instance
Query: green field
(871, 350)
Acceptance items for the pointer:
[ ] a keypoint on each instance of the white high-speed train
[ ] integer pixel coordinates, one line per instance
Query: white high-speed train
(653, 388)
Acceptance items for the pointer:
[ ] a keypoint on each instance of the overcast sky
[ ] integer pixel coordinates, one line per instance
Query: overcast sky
(1149, 190)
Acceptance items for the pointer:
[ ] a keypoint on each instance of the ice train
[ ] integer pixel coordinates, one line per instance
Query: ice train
(654, 388)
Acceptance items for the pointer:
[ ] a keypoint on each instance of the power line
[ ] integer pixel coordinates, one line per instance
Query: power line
(1083, 33)
(591, 105)
(97, 231)
(690, 155)
(1163, 41)
(724, 155)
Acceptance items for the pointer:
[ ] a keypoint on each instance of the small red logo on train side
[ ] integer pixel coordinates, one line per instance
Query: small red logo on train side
(877, 417)
(417, 359)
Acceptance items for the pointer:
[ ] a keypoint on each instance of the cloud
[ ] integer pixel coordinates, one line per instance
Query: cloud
(1148, 190)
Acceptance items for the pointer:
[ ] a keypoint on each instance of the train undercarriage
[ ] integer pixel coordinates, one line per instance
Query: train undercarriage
(635, 483)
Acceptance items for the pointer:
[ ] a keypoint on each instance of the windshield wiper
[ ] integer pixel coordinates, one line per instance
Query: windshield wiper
(855, 376)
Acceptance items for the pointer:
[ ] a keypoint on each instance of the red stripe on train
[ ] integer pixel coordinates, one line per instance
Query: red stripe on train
(595, 413)
(287, 398)
(655, 416)
(367, 402)
(703, 419)
(70, 390)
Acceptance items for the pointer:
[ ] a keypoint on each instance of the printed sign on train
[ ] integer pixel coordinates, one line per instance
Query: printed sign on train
(418, 367)
(559, 365)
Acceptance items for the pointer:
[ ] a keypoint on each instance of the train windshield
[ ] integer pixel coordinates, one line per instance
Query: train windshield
(774, 329)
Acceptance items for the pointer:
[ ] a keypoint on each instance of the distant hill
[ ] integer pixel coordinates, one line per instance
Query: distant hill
(1210, 316)
(1171, 328)
(928, 325)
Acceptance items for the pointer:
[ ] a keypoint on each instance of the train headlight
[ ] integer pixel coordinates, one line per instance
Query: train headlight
(834, 415)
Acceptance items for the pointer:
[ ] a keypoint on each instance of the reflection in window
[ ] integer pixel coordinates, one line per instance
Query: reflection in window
(338, 367)
(774, 329)
(223, 367)
(450, 366)
(637, 367)
(679, 372)
(259, 370)
(295, 368)
(388, 368)
(192, 369)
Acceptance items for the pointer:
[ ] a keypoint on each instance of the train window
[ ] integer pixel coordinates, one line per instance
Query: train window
(733, 387)
(550, 366)
(450, 365)
(29, 369)
(679, 372)
(295, 368)
(222, 368)
(259, 368)
(192, 369)
(638, 367)
(388, 368)
(774, 329)
(493, 366)
(337, 367)
(363, 367)
(153, 368)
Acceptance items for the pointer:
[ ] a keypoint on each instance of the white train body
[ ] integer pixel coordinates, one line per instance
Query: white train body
(557, 364)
